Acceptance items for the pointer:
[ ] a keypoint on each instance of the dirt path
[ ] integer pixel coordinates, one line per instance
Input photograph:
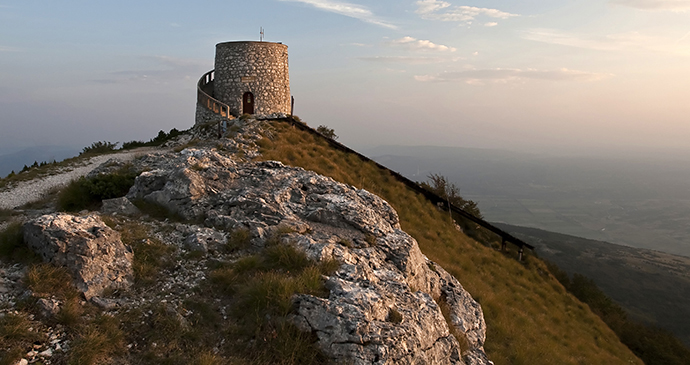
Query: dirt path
(32, 190)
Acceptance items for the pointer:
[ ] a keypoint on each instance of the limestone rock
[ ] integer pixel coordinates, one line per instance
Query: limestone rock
(119, 206)
(89, 249)
(203, 239)
(48, 307)
(384, 301)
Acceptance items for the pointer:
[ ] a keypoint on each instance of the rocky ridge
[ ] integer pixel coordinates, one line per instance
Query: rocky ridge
(386, 300)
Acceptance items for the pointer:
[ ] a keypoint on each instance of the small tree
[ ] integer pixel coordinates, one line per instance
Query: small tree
(327, 132)
(440, 186)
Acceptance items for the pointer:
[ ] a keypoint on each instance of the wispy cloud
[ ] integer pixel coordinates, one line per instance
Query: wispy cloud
(673, 5)
(444, 11)
(405, 60)
(167, 69)
(611, 42)
(347, 9)
(359, 45)
(431, 6)
(420, 45)
(501, 75)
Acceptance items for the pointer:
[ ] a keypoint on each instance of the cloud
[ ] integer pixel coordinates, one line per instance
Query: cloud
(430, 6)
(500, 75)
(358, 44)
(347, 9)
(610, 42)
(403, 59)
(490, 24)
(168, 69)
(420, 44)
(673, 5)
(442, 11)
(8, 49)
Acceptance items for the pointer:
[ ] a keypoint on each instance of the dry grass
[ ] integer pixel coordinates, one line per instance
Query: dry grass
(529, 315)
(16, 337)
(150, 255)
(12, 245)
(260, 290)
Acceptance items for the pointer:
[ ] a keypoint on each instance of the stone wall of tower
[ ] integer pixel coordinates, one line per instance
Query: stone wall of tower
(257, 67)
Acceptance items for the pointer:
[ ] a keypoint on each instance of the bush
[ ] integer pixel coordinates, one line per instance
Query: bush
(99, 147)
(87, 193)
(161, 138)
(12, 246)
(327, 132)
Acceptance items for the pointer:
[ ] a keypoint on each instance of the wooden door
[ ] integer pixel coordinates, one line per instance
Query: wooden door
(248, 103)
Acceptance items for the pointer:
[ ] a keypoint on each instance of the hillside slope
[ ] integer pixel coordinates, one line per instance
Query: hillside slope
(219, 253)
(654, 287)
(529, 315)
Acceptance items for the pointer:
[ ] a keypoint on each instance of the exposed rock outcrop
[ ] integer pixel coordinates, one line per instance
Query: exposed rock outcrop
(384, 301)
(87, 247)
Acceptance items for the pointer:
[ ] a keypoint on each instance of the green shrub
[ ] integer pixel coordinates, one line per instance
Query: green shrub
(87, 193)
(161, 138)
(327, 132)
(99, 148)
(157, 211)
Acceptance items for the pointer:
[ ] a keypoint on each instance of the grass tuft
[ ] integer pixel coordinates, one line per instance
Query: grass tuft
(239, 239)
(12, 245)
(16, 338)
(97, 342)
(261, 288)
(151, 256)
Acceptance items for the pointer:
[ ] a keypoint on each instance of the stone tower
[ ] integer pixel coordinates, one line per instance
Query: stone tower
(249, 78)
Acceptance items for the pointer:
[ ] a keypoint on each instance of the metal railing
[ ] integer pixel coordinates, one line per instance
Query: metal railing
(437, 200)
(204, 92)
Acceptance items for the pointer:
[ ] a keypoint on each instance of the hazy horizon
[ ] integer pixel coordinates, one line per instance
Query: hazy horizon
(583, 77)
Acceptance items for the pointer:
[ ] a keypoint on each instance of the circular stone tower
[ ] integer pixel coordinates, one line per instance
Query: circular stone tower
(252, 77)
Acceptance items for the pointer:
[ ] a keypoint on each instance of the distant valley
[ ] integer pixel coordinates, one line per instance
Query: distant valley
(640, 202)
(653, 287)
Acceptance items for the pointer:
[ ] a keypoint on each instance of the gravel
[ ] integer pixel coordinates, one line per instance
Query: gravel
(33, 190)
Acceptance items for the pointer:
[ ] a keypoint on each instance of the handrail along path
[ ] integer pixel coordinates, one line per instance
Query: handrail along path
(205, 98)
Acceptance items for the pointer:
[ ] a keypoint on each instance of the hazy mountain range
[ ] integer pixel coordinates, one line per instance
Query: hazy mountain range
(15, 161)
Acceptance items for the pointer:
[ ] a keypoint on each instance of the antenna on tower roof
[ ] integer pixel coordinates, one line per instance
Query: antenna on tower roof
(262, 34)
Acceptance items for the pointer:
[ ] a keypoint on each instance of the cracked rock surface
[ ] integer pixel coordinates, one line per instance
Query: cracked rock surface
(87, 247)
(385, 299)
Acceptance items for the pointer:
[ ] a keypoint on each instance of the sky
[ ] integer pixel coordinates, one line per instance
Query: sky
(547, 75)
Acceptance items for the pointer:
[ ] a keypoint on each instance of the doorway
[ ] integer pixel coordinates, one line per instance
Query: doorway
(248, 103)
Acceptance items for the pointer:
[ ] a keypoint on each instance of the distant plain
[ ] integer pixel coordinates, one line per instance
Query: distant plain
(641, 201)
